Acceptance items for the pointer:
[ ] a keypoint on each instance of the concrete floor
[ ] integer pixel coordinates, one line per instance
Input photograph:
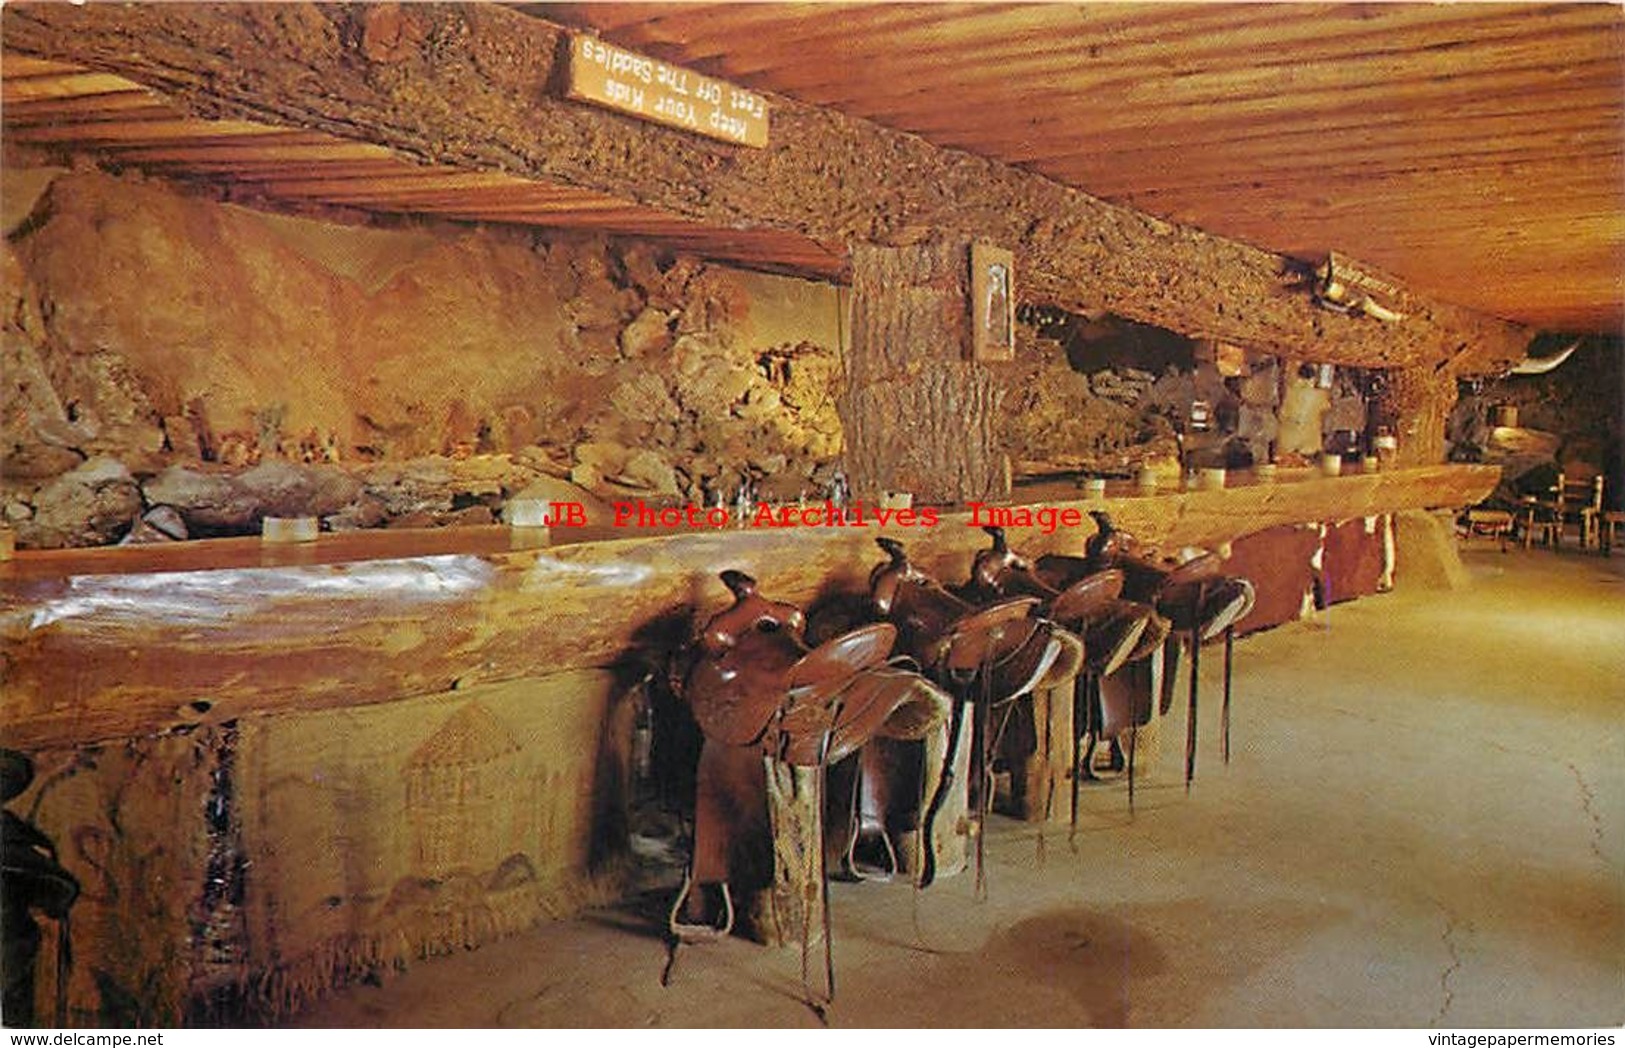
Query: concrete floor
(1423, 826)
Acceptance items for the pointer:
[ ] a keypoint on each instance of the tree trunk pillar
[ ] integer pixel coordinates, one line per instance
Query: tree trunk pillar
(919, 416)
(1414, 403)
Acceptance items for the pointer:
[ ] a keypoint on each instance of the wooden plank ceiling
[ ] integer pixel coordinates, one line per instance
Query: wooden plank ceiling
(1475, 151)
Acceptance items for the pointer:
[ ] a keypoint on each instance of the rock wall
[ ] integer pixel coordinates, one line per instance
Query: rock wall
(157, 345)
(1108, 396)
(165, 353)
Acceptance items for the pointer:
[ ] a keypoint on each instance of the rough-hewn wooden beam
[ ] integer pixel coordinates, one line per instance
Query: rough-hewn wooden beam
(128, 641)
(475, 86)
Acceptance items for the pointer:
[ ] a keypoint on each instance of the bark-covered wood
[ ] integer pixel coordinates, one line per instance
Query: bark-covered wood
(1416, 403)
(124, 642)
(474, 86)
(917, 414)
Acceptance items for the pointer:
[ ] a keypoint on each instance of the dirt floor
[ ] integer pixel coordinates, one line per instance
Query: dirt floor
(1423, 825)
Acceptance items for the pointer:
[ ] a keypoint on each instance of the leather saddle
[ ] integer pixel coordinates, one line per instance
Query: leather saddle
(1088, 603)
(759, 693)
(1087, 600)
(1194, 592)
(987, 655)
(1196, 598)
(1004, 643)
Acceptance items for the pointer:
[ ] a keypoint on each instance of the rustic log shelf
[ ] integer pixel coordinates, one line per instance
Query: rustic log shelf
(123, 642)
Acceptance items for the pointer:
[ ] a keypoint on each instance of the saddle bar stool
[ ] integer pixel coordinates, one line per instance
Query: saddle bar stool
(985, 656)
(1088, 604)
(1116, 634)
(774, 714)
(1201, 609)
(1199, 602)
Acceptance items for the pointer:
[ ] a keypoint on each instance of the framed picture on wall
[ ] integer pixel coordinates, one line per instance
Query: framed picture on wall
(993, 303)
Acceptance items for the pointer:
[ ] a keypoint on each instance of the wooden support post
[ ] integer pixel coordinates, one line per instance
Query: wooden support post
(919, 415)
(1045, 778)
(1415, 403)
(791, 911)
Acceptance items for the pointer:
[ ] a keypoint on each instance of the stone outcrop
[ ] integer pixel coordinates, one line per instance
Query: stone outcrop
(223, 502)
(240, 364)
(1108, 396)
(90, 505)
(243, 364)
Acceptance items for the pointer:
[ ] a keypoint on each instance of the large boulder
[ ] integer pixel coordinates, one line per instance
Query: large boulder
(207, 500)
(91, 505)
(649, 333)
(613, 470)
(437, 485)
(211, 501)
(286, 489)
(555, 489)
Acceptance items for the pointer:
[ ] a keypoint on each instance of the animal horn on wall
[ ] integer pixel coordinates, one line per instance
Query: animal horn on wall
(1371, 308)
(1544, 364)
(1346, 288)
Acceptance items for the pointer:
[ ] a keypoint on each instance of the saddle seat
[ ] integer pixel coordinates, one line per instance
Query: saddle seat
(1092, 600)
(953, 639)
(1182, 589)
(757, 683)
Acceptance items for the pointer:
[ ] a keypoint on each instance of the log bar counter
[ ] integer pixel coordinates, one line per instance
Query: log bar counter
(124, 642)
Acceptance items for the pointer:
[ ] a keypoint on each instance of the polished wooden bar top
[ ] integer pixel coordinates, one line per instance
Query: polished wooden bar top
(116, 642)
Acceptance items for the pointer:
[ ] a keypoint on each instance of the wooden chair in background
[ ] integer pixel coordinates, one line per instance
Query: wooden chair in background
(1611, 522)
(1574, 501)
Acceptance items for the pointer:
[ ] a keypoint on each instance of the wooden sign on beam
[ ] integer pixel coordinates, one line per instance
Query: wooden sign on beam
(649, 89)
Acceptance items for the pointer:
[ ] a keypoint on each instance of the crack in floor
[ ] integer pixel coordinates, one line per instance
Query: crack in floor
(1588, 805)
(504, 1019)
(1449, 940)
(1389, 723)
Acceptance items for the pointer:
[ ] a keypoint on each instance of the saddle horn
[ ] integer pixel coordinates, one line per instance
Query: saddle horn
(1100, 542)
(739, 584)
(893, 549)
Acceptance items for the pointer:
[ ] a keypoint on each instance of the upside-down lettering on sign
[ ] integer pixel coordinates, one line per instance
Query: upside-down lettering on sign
(1348, 287)
(648, 88)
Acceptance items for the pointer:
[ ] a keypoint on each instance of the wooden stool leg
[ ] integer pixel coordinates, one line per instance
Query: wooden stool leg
(1229, 655)
(1190, 722)
(1133, 744)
